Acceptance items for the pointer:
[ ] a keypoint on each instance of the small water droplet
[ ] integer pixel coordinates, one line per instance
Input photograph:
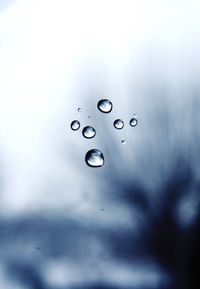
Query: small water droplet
(94, 158)
(133, 122)
(75, 125)
(118, 123)
(123, 141)
(105, 105)
(88, 132)
(89, 116)
(79, 109)
(102, 209)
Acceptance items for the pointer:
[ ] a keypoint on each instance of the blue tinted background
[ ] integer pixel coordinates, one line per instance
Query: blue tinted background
(134, 223)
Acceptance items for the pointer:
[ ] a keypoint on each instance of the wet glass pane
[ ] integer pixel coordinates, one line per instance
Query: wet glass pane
(99, 144)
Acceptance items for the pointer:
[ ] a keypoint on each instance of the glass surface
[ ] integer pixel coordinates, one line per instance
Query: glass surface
(115, 208)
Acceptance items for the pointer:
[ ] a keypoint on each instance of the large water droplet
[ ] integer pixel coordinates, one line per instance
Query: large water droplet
(94, 158)
(75, 125)
(118, 123)
(123, 141)
(105, 105)
(133, 121)
(88, 132)
(79, 109)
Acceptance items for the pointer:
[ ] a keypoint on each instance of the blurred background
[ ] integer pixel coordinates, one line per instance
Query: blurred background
(134, 222)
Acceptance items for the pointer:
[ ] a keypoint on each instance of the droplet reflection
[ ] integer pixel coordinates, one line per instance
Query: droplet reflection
(105, 105)
(88, 132)
(133, 122)
(118, 123)
(94, 158)
(75, 125)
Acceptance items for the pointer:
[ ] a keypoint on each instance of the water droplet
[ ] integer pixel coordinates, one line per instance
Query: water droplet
(123, 141)
(118, 123)
(79, 109)
(89, 116)
(75, 125)
(94, 158)
(105, 105)
(88, 132)
(133, 121)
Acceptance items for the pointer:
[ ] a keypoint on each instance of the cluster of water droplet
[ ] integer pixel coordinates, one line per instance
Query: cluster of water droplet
(94, 157)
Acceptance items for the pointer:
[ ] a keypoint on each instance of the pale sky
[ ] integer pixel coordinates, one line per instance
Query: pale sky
(53, 54)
